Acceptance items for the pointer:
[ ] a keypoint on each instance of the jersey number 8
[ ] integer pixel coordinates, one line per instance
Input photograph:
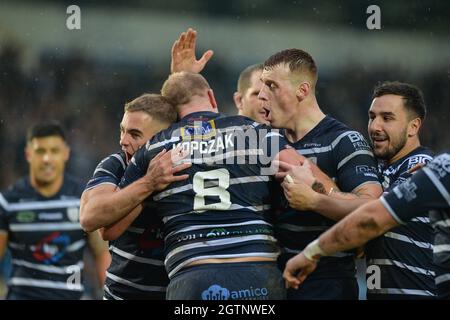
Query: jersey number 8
(213, 184)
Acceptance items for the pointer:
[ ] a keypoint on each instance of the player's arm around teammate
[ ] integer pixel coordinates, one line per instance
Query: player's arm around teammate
(102, 207)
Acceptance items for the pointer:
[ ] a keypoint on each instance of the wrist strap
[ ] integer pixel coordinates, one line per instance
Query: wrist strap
(313, 251)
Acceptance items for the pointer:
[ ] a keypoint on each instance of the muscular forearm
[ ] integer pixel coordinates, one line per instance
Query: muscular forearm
(368, 192)
(337, 209)
(364, 224)
(115, 230)
(334, 205)
(106, 209)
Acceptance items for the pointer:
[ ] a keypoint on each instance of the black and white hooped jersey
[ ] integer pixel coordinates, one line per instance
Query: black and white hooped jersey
(45, 239)
(137, 268)
(403, 256)
(428, 190)
(346, 157)
(221, 210)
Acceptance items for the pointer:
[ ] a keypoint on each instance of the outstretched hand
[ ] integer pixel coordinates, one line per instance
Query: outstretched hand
(183, 54)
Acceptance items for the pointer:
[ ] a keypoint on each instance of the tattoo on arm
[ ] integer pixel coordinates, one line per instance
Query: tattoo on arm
(368, 224)
(318, 187)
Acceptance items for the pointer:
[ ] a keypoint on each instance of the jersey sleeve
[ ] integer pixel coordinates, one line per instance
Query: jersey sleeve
(427, 189)
(355, 162)
(410, 164)
(109, 171)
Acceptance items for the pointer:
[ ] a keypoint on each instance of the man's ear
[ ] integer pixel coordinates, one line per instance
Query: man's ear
(303, 90)
(212, 99)
(237, 97)
(414, 127)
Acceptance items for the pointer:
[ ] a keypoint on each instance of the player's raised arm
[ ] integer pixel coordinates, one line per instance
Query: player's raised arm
(183, 54)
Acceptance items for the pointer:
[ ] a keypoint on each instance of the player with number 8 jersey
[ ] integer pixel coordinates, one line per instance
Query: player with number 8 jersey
(218, 239)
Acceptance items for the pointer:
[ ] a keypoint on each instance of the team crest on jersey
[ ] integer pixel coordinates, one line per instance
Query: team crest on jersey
(73, 214)
(26, 216)
(200, 130)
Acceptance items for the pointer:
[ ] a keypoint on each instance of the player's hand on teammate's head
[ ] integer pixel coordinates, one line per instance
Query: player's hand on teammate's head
(163, 167)
(297, 270)
(183, 54)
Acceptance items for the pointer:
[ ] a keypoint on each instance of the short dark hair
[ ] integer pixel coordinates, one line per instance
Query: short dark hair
(46, 129)
(298, 61)
(244, 78)
(412, 96)
(154, 105)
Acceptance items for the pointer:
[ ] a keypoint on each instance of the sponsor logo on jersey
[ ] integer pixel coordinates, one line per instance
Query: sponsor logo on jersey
(26, 216)
(49, 216)
(73, 213)
(200, 130)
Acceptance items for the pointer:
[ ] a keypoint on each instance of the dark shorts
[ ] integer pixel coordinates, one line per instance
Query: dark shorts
(228, 281)
(326, 289)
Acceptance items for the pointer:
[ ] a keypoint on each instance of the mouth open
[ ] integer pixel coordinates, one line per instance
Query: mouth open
(266, 113)
(128, 156)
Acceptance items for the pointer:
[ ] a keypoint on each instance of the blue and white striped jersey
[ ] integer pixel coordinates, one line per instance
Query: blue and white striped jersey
(222, 210)
(45, 239)
(346, 157)
(137, 268)
(428, 190)
(404, 255)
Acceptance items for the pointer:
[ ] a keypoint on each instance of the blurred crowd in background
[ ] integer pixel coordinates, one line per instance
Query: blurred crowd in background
(88, 96)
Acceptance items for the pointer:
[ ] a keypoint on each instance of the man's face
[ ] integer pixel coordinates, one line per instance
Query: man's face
(135, 129)
(278, 96)
(388, 126)
(250, 106)
(47, 157)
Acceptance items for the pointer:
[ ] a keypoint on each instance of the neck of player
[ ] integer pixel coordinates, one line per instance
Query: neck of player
(410, 145)
(47, 189)
(307, 117)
